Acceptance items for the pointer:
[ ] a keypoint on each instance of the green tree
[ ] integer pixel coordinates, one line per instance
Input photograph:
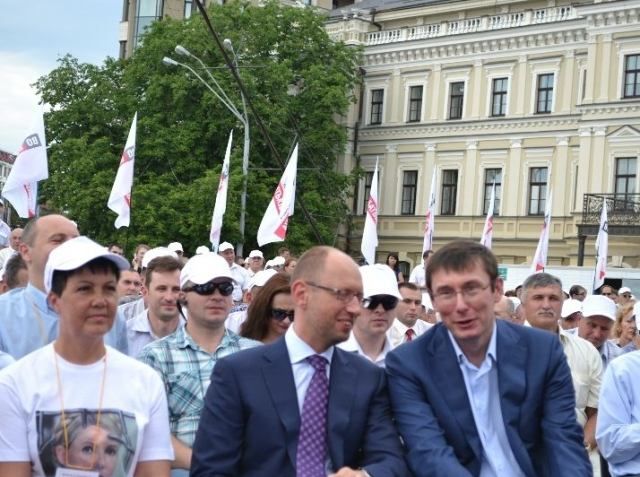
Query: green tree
(183, 128)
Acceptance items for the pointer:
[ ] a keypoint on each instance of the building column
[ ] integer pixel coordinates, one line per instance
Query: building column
(468, 178)
(560, 174)
(475, 94)
(521, 82)
(604, 68)
(389, 186)
(584, 170)
(599, 181)
(511, 182)
(395, 95)
(568, 83)
(436, 96)
(425, 190)
(592, 68)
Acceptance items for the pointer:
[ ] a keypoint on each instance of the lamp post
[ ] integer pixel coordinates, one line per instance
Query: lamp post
(219, 93)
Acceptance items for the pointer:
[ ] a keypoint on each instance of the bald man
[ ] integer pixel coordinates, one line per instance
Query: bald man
(26, 321)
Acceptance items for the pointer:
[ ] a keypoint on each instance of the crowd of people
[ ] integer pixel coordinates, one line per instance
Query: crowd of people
(217, 365)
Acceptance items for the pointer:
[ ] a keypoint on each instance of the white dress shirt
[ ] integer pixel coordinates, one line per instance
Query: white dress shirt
(484, 397)
(397, 334)
(417, 276)
(352, 346)
(241, 279)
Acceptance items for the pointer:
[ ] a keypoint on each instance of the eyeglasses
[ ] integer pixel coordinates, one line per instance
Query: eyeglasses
(206, 289)
(345, 296)
(469, 293)
(279, 314)
(388, 302)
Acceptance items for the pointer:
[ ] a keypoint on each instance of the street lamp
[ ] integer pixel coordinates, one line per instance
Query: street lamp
(243, 118)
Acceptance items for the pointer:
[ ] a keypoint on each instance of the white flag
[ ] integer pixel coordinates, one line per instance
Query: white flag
(220, 206)
(540, 258)
(487, 233)
(430, 221)
(273, 227)
(30, 166)
(120, 198)
(370, 232)
(602, 249)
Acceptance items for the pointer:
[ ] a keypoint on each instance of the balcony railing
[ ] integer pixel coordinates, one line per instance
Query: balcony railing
(471, 25)
(622, 209)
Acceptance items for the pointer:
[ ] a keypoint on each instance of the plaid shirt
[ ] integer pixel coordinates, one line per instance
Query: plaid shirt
(185, 369)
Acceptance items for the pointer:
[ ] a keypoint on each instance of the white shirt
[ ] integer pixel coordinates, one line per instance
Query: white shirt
(352, 346)
(241, 278)
(417, 276)
(397, 333)
(618, 423)
(299, 351)
(140, 334)
(483, 394)
(234, 321)
(5, 255)
(5, 234)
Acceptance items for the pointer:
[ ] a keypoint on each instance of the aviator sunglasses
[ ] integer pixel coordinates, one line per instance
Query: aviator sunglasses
(225, 288)
(388, 302)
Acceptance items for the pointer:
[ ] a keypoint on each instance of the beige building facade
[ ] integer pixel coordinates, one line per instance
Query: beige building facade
(534, 96)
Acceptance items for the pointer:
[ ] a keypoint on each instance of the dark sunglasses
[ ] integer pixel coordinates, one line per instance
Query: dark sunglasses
(225, 288)
(279, 314)
(388, 302)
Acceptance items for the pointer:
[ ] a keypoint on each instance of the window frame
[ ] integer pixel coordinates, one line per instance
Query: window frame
(636, 74)
(541, 189)
(415, 104)
(488, 184)
(366, 188)
(377, 106)
(450, 109)
(502, 95)
(449, 192)
(629, 180)
(411, 190)
(549, 90)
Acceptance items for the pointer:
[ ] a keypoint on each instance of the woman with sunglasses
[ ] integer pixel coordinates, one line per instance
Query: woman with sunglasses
(271, 311)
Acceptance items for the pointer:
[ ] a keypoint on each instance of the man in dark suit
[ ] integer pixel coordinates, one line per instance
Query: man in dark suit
(300, 406)
(476, 396)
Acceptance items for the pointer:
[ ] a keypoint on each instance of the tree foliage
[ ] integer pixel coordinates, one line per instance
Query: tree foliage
(183, 128)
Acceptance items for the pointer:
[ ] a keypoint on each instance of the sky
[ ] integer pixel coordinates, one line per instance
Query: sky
(33, 35)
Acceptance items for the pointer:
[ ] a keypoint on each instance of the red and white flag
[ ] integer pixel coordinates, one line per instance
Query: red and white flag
(220, 206)
(370, 232)
(273, 227)
(30, 166)
(602, 249)
(120, 198)
(487, 233)
(430, 220)
(540, 258)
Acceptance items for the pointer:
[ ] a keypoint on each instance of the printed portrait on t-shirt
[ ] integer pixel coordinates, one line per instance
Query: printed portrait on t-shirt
(87, 442)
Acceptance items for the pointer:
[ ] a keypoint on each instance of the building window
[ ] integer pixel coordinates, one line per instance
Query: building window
(148, 12)
(415, 103)
(377, 96)
(632, 76)
(537, 190)
(368, 180)
(456, 98)
(449, 192)
(625, 184)
(499, 97)
(544, 96)
(409, 187)
(188, 8)
(491, 176)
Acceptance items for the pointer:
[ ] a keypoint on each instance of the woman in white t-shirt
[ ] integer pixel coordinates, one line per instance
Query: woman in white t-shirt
(78, 408)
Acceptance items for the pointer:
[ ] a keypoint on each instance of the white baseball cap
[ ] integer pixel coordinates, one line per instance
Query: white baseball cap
(571, 306)
(260, 278)
(624, 290)
(379, 279)
(599, 305)
(203, 268)
(225, 246)
(202, 249)
(156, 253)
(175, 247)
(256, 254)
(75, 253)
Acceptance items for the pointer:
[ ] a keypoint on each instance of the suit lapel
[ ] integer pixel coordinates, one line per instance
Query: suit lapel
(448, 378)
(278, 377)
(342, 386)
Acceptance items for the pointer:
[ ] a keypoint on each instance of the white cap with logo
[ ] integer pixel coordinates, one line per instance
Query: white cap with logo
(379, 279)
(571, 306)
(175, 247)
(262, 277)
(75, 253)
(599, 305)
(224, 246)
(201, 269)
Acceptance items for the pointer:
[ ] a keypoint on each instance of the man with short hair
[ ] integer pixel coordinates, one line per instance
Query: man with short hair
(256, 262)
(129, 284)
(26, 321)
(369, 335)
(598, 318)
(609, 292)
(14, 274)
(477, 396)
(542, 299)
(577, 292)
(239, 274)
(505, 309)
(15, 239)
(407, 324)
(571, 315)
(161, 292)
(417, 275)
(117, 249)
(186, 358)
(301, 404)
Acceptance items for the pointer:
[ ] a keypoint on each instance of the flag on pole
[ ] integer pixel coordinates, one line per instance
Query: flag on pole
(220, 206)
(430, 221)
(273, 227)
(487, 233)
(120, 198)
(30, 166)
(602, 249)
(540, 258)
(370, 233)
